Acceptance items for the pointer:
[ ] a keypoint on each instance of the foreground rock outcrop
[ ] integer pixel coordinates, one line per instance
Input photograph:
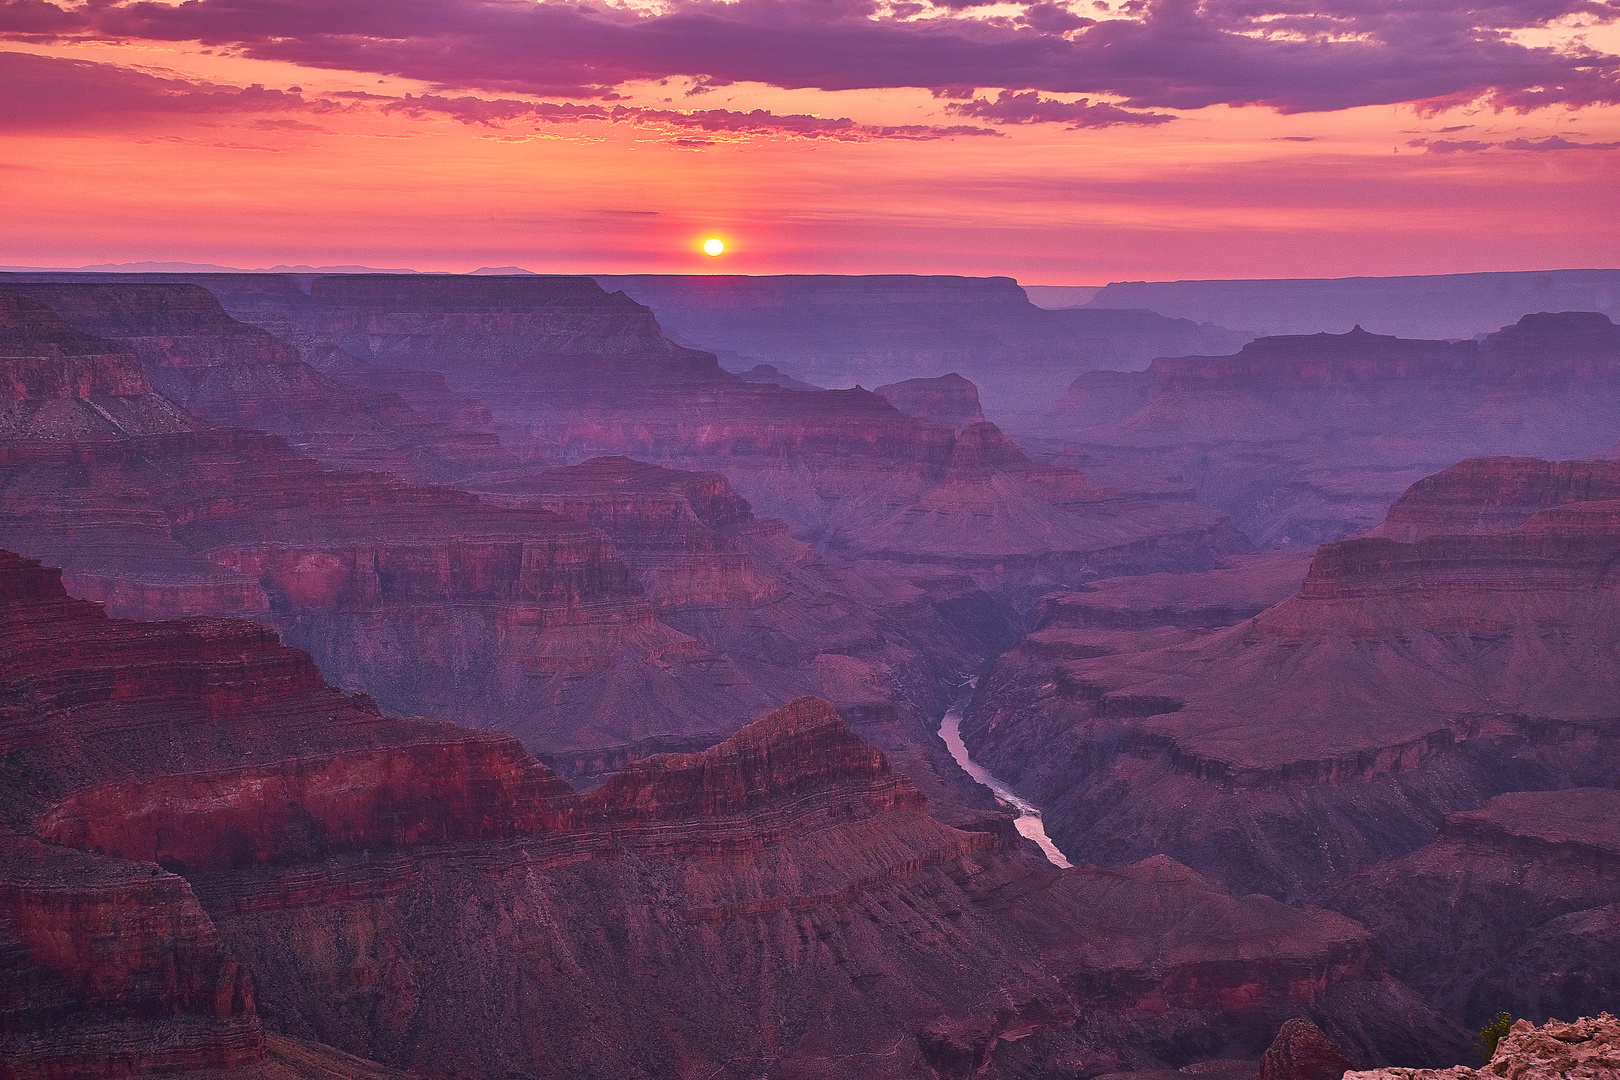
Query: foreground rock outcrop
(1301, 1052)
(433, 898)
(1588, 1049)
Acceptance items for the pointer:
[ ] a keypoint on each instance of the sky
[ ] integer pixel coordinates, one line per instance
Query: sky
(1057, 142)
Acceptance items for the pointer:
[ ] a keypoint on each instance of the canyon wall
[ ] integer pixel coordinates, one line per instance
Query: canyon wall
(432, 898)
(1332, 731)
(1309, 438)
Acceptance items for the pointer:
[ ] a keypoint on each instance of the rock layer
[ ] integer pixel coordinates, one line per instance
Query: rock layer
(1309, 438)
(464, 913)
(1514, 906)
(224, 371)
(1332, 731)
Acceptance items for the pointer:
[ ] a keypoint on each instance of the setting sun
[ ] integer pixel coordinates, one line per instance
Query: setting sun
(713, 247)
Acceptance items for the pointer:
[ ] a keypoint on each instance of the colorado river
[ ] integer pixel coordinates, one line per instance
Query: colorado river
(1029, 822)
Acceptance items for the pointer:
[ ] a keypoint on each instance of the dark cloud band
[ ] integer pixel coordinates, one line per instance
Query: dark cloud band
(1291, 55)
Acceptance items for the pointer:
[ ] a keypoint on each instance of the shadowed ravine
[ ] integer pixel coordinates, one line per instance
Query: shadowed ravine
(1029, 823)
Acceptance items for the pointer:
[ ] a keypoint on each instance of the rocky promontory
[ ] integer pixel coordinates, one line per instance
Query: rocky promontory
(1587, 1049)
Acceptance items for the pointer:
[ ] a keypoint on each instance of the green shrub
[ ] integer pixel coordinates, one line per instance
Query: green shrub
(1491, 1034)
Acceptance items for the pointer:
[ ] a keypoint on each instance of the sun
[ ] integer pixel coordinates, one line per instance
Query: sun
(713, 246)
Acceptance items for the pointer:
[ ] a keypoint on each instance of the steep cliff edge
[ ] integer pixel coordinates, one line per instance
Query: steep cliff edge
(1332, 731)
(60, 383)
(780, 898)
(228, 372)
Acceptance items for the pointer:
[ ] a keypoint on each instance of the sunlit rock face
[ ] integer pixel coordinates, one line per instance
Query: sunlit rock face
(435, 899)
(1331, 731)
(1311, 438)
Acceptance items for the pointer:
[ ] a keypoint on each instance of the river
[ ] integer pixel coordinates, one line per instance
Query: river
(1028, 823)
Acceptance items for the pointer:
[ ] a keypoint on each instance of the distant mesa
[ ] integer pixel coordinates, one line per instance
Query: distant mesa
(1441, 306)
(841, 330)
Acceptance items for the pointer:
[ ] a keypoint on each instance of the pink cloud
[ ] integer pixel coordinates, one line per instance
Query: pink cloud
(1030, 108)
(1552, 142)
(42, 93)
(1291, 55)
(497, 113)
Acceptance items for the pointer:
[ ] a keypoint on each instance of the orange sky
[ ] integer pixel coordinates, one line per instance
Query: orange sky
(1220, 191)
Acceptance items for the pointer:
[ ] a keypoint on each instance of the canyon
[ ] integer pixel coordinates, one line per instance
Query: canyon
(1331, 731)
(428, 897)
(1306, 438)
(459, 676)
(867, 330)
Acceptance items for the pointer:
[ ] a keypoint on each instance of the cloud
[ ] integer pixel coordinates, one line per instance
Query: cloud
(43, 93)
(1030, 108)
(1557, 142)
(497, 113)
(1472, 146)
(1290, 55)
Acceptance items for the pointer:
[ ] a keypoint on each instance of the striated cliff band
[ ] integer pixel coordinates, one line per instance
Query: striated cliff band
(289, 870)
(1335, 729)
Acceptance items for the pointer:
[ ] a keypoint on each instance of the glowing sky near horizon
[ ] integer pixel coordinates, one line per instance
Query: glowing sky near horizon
(1059, 143)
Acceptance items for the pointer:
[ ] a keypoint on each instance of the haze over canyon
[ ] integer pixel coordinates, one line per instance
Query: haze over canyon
(519, 675)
